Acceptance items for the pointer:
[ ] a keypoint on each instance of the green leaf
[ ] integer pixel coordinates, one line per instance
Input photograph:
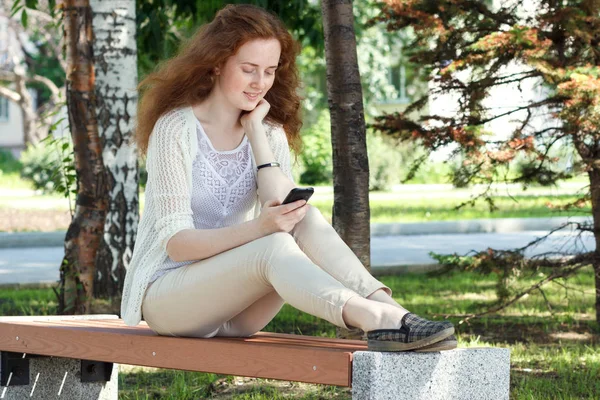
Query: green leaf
(24, 18)
(15, 6)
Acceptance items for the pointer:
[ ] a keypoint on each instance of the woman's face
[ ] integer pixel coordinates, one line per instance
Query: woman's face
(248, 75)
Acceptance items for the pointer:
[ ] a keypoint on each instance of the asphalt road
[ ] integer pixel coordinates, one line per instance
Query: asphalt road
(388, 253)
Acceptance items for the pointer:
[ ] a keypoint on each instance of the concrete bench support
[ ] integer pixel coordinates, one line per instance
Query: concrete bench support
(474, 373)
(58, 378)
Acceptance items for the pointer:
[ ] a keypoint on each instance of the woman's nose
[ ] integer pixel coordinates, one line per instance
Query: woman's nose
(259, 81)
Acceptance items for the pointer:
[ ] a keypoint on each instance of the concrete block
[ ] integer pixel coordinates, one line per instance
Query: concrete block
(60, 378)
(460, 374)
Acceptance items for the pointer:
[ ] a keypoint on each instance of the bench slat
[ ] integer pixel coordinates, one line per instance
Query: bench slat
(264, 355)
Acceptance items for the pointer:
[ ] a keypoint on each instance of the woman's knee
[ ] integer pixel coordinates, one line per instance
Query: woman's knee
(314, 212)
(277, 240)
(313, 217)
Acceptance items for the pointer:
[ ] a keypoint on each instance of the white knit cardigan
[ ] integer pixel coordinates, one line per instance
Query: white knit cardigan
(172, 148)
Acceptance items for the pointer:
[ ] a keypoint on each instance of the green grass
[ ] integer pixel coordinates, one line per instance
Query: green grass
(385, 207)
(442, 208)
(555, 352)
(13, 180)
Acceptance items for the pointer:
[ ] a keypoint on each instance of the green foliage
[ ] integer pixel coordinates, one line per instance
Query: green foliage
(374, 48)
(311, 65)
(50, 166)
(143, 173)
(163, 25)
(465, 52)
(385, 162)
(316, 152)
(8, 163)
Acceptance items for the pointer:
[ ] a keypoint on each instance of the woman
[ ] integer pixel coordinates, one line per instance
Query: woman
(216, 252)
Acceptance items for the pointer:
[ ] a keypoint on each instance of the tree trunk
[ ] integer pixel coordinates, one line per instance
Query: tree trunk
(115, 61)
(351, 213)
(594, 175)
(26, 104)
(83, 236)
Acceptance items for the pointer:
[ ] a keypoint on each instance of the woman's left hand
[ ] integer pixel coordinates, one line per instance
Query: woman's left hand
(256, 116)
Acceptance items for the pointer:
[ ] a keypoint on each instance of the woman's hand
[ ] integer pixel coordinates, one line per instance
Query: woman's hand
(281, 218)
(256, 116)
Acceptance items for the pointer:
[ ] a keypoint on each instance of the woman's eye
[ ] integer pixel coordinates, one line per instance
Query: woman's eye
(248, 72)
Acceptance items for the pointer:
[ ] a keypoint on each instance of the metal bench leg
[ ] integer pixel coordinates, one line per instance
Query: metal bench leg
(40, 377)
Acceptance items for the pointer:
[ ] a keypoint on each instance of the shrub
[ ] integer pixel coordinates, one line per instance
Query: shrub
(316, 167)
(316, 152)
(385, 162)
(8, 162)
(49, 165)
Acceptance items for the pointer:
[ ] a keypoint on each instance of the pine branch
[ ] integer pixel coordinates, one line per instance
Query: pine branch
(556, 275)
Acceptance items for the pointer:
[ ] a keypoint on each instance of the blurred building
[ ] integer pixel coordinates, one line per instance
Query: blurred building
(11, 120)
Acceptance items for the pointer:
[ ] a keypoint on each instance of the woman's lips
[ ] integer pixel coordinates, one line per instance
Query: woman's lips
(254, 97)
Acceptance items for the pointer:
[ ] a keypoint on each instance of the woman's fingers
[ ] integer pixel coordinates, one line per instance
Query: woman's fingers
(271, 203)
(298, 214)
(293, 206)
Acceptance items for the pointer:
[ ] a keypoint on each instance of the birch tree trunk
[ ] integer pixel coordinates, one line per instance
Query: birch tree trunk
(85, 231)
(115, 61)
(351, 212)
(26, 104)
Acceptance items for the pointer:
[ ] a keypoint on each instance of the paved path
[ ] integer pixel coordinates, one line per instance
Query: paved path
(389, 253)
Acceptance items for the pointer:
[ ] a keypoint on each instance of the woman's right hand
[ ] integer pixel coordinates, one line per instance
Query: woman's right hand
(281, 218)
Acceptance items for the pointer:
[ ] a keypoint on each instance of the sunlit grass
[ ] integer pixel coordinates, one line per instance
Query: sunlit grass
(13, 181)
(441, 208)
(384, 209)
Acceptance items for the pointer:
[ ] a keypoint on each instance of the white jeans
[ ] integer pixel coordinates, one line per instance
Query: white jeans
(238, 292)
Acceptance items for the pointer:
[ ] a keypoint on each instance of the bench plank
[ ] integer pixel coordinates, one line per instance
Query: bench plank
(264, 355)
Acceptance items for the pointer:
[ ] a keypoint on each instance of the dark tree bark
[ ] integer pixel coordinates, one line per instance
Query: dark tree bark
(351, 212)
(594, 175)
(85, 232)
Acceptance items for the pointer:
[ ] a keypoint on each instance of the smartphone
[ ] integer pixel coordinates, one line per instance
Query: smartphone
(298, 194)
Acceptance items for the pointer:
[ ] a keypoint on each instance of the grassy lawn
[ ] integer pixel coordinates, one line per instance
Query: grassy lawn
(406, 203)
(49, 213)
(555, 350)
(443, 208)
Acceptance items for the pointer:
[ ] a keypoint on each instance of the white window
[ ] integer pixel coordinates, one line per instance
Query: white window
(398, 80)
(402, 76)
(3, 108)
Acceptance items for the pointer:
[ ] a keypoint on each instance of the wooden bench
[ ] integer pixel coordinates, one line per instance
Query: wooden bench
(105, 339)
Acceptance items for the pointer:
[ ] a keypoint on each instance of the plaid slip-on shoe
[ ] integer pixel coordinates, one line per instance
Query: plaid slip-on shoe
(449, 343)
(414, 332)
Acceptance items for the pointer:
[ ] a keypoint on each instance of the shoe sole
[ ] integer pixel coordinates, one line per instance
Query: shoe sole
(388, 345)
(439, 346)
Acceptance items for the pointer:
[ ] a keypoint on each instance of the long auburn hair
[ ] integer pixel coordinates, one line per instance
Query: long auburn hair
(188, 77)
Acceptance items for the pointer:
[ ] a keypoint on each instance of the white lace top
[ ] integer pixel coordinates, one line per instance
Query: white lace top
(223, 189)
(190, 186)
